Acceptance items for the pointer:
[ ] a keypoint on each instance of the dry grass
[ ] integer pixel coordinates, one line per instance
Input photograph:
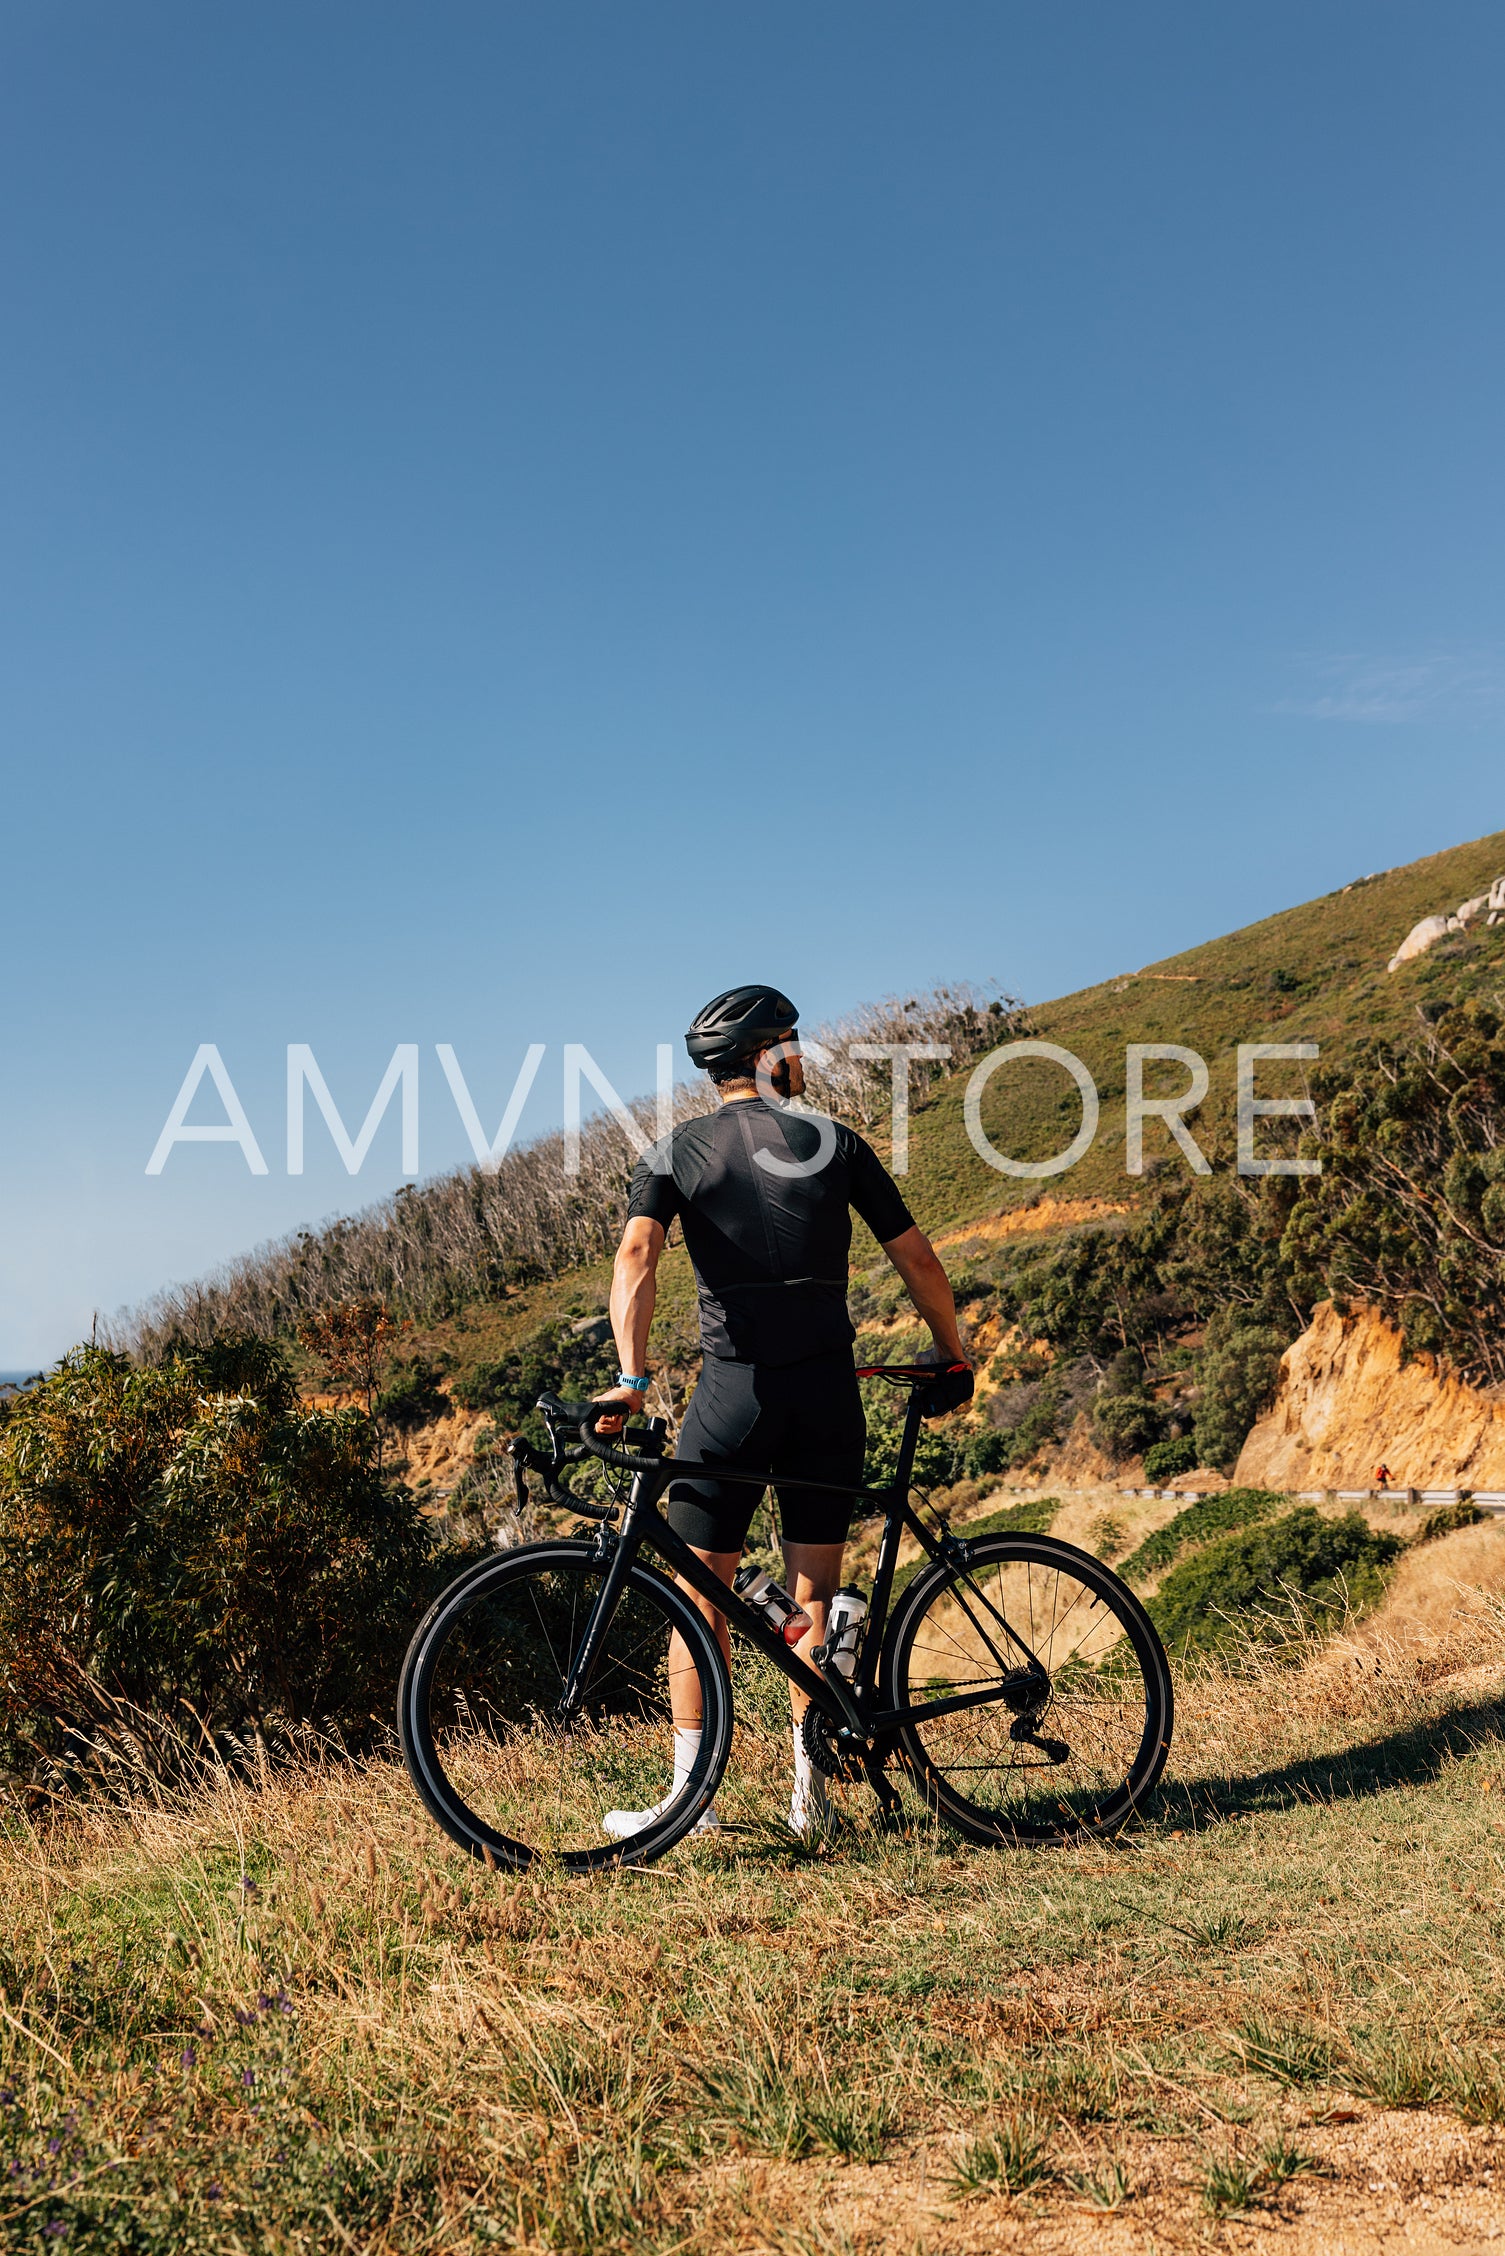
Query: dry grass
(285, 2016)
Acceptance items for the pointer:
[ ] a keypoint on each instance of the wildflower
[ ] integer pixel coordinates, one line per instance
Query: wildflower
(54, 2145)
(212, 2192)
(190, 2056)
(248, 2077)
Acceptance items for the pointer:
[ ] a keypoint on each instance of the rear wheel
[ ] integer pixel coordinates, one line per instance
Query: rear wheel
(479, 1710)
(1074, 1720)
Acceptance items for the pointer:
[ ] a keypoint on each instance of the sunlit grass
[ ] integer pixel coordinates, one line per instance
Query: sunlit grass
(229, 2015)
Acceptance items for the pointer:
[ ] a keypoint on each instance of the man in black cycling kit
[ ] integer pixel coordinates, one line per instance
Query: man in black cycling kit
(763, 1194)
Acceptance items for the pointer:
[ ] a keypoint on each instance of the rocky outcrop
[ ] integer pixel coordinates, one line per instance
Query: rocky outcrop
(1349, 1401)
(1488, 908)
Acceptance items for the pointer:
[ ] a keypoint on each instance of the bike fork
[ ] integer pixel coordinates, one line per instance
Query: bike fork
(600, 1622)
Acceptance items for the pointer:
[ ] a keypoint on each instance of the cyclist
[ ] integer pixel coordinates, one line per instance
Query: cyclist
(763, 1194)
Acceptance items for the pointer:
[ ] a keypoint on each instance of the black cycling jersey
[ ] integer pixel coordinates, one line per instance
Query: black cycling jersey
(768, 1242)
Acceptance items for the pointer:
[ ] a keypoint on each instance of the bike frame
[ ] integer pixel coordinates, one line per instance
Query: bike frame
(847, 1705)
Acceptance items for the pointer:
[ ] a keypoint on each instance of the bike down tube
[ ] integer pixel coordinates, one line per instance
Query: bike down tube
(677, 1554)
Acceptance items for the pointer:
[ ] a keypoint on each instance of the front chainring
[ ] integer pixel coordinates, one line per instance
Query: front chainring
(848, 1765)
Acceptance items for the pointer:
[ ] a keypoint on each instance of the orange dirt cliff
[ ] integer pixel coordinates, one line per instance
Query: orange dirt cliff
(1348, 1400)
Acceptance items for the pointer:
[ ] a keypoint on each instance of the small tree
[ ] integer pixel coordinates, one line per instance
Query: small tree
(1237, 1370)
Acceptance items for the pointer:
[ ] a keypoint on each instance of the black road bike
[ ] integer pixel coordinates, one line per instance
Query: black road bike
(1017, 1683)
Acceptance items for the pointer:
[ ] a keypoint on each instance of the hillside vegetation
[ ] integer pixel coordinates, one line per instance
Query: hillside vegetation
(1156, 1305)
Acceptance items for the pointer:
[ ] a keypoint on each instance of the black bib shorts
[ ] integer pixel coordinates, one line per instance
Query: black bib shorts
(779, 1419)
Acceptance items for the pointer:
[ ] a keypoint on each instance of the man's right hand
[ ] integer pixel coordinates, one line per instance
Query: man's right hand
(632, 1404)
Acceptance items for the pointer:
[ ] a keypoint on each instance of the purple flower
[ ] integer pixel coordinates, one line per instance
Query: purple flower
(248, 2077)
(212, 2192)
(54, 2145)
(244, 2016)
(190, 2056)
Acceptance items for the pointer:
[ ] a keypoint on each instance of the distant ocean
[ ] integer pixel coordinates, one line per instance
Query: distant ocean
(15, 1378)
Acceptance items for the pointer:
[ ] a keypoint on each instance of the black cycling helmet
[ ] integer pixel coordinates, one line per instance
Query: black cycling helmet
(738, 1024)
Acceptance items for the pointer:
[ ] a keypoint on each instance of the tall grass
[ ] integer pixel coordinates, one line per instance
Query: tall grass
(279, 2012)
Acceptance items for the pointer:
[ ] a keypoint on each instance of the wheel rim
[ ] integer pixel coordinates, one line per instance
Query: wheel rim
(500, 1765)
(1100, 1705)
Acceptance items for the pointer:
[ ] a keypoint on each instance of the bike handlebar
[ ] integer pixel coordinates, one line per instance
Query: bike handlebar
(583, 1416)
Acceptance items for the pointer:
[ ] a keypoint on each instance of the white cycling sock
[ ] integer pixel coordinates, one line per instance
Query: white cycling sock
(809, 1804)
(622, 1824)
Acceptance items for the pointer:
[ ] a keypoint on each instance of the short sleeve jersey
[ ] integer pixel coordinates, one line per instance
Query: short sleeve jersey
(765, 1196)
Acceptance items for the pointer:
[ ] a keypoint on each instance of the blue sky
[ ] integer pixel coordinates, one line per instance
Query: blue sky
(517, 517)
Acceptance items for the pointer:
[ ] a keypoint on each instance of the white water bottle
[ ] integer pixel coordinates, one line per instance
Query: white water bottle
(844, 1623)
(758, 1587)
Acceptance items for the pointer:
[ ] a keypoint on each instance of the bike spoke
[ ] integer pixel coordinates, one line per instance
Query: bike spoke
(515, 1766)
(1093, 1706)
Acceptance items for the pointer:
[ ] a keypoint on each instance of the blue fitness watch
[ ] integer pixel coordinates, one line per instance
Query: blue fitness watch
(626, 1379)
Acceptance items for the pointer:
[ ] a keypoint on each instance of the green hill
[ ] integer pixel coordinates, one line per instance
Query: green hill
(501, 1278)
(1311, 973)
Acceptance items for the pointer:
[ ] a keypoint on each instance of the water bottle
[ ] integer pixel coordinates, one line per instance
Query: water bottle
(844, 1623)
(757, 1586)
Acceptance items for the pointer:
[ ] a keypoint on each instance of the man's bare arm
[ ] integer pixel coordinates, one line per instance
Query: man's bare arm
(634, 1289)
(929, 1288)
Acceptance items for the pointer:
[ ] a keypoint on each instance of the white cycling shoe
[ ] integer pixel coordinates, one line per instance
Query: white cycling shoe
(623, 1824)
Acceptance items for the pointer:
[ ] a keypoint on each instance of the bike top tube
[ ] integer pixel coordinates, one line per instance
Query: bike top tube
(585, 1416)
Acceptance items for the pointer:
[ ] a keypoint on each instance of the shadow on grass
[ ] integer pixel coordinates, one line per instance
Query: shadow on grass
(1413, 1756)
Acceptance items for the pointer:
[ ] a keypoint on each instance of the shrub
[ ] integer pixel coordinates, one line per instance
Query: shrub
(1165, 1459)
(1126, 1424)
(1248, 1581)
(1237, 1370)
(191, 1538)
(1447, 1519)
(556, 1360)
(990, 1451)
(1407, 1211)
(939, 1455)
(414, 1397)
(1199, 1523)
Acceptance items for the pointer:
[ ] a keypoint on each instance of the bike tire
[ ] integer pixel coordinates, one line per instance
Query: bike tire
(1110, 1702)
(477, 1702)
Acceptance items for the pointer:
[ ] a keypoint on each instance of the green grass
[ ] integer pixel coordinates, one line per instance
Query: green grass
(745, 2039)
(1199, 1524)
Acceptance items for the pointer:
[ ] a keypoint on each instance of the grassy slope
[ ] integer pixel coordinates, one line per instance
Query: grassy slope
(755, 2048)
(1210, 999)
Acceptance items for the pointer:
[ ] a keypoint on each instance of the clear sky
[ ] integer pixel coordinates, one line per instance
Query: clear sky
(517, 516)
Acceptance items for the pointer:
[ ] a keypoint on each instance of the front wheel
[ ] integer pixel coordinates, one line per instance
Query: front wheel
(1070, 1709)
(479, 1710)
